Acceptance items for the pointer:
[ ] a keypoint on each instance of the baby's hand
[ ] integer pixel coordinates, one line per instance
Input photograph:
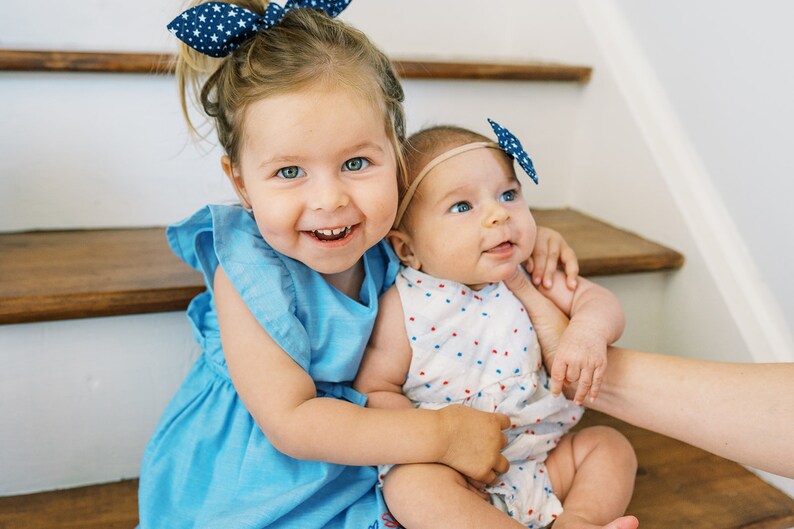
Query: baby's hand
(549, 252)
(581, 358)
(475, 442)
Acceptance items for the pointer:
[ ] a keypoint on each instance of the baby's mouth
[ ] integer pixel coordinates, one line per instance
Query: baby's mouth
(501, 248)
(333, 234)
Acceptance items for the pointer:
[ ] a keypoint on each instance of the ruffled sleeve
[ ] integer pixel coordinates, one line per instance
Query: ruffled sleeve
(228, 236)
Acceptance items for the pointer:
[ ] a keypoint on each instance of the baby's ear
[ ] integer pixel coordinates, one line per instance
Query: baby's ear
(236, 179)
(403, 246)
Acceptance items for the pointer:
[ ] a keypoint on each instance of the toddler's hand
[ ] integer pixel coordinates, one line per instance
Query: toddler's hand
(548, 320)
(475, 442)
(549, 252)
(581, 358)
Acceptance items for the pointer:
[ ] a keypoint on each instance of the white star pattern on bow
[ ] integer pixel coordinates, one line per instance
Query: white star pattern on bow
(513, 147)
(197, 26)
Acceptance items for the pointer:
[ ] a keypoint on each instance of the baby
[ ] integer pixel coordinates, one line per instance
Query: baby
(450, 332)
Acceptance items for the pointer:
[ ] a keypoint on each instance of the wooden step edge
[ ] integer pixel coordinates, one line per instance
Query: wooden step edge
(59, 275)
(29, 309)
(604, 249)
(153, 63)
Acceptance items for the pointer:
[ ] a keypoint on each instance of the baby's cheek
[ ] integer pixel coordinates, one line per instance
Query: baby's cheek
(525, 251)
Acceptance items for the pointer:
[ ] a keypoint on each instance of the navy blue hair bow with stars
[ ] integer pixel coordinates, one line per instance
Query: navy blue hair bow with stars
(512, 146)
(218, 28)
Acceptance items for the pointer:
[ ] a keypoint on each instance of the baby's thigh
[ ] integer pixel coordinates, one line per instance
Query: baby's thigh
(417, 484)
(599, 449)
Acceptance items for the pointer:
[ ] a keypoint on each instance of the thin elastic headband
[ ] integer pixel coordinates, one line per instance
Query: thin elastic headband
(507, 143)
(444, 156)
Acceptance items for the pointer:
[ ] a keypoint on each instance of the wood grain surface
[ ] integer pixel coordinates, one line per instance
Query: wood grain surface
(677, 486)
(59, 275)
(75, 61)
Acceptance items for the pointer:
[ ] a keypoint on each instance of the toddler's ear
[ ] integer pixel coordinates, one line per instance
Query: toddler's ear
(403, 246)
(236, 179)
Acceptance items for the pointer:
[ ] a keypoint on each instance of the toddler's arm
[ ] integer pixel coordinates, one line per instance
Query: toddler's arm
(549, 252)
(596, 322)
(387, 358)
(282, 398)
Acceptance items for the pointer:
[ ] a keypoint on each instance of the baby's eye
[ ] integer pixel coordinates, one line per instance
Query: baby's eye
(355, 164)
(508, 196)
(460, 207)
(290, 172)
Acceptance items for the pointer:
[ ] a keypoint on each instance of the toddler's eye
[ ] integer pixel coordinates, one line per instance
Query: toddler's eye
(508, 196)
(355, 164)
(460, 207)
(290, 172)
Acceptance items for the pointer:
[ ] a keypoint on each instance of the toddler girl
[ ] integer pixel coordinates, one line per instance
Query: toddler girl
(450, 332)
(266, 430)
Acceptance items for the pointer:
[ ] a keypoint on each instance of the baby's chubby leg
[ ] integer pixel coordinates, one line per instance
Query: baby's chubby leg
(592, 472)
(436, 496)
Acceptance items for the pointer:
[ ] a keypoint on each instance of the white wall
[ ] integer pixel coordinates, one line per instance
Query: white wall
(85, 150)
(727, 69)
(721, 305)
(79, 399)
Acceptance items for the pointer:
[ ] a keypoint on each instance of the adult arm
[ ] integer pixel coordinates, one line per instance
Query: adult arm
(740, 411)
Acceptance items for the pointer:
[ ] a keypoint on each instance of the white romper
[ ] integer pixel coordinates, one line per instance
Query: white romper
(478, 348)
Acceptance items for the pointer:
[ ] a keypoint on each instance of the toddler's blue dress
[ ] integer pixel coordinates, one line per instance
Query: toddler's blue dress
(208, 465)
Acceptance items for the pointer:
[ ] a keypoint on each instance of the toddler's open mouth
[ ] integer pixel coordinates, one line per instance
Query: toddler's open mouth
(331, 234)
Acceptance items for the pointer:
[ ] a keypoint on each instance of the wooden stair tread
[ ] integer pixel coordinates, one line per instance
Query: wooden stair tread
(148, 63)
(54, 275)
(604, 249)
(677, 486)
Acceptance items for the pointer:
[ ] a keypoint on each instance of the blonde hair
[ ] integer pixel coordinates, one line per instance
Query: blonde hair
(304, 48)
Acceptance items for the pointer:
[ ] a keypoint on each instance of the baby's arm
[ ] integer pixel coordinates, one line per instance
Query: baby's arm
(596, 322)
(282, 398)
(387, 358)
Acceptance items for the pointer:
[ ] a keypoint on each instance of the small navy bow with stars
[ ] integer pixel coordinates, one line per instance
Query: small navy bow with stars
(510, 144)
(218, 28)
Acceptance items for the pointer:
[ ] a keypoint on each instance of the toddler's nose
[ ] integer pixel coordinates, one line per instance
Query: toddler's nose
(328, 193)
